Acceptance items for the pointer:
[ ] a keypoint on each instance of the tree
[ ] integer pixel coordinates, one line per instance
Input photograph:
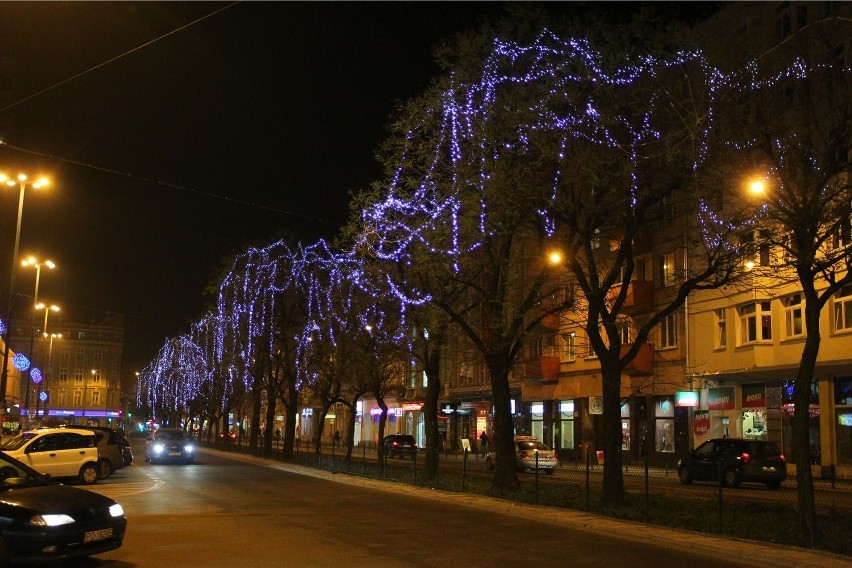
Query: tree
(789, 126)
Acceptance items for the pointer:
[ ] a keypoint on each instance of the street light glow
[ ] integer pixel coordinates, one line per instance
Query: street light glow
(555, 257)
(757, 187)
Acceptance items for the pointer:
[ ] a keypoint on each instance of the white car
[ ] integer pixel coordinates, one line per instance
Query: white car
(530, 454)
(58, 452)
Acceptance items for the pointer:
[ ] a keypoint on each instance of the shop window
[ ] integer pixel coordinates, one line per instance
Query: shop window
(793, 316)
(843, 309)
(537, 426)
(664, 425)
(754, 424)
(788, 416)
(755, 322)
(566, 425)
(843, 404)
(668, 331)
(721, 340)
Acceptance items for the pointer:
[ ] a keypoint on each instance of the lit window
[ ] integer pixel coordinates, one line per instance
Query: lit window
(570, 346)
(755, 322)
(667, 269)
(721, 329)
(843, 309)
(668, 331)
(793, 316)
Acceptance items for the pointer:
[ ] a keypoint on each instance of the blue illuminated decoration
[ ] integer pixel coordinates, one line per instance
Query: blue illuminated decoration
(21, 362)
(35, 375)
(42, 396)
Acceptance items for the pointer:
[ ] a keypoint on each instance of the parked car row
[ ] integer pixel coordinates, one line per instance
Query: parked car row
(530, 455)
(44, 521)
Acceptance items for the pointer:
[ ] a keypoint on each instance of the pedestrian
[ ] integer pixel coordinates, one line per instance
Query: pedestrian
(483, 443)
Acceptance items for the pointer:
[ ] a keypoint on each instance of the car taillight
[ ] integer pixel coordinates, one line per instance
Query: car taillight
(745, 457)
(782, 458)
(395, 444)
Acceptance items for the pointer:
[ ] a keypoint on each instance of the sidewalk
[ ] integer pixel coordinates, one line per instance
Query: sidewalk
(763, 553)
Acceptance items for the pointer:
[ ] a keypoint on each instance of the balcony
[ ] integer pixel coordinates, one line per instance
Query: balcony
(639, 299)
(643, 364)
(542, 369)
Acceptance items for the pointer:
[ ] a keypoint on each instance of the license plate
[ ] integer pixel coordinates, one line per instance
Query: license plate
(92, 536)
(174, 453)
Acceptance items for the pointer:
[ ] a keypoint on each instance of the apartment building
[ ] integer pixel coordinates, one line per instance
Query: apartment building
(79, 379)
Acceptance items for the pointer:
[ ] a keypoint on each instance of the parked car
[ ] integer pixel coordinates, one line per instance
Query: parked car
(58, 452)
(45, 521)
(732, 461)
(169, 444)
(400, 446)
(530, 454)
(110, 449)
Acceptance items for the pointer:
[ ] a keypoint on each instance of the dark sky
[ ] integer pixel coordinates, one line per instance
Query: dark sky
(169, 153)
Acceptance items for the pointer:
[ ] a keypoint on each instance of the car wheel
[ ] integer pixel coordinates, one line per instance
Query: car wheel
(489, 463)
(684, 475)
(774, 485)
(730, 478)
(106, 468)
(88, 473)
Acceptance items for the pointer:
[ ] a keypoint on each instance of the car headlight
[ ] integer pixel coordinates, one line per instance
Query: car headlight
(116, 510)
(189, 448)
(51, 520)
(158, 448)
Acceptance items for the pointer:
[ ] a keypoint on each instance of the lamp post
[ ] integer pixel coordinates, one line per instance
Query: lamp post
(47, 309)
(32, 261)
(21, 182)
(49, 372)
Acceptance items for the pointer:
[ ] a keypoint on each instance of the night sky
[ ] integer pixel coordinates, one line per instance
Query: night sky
(172, 143)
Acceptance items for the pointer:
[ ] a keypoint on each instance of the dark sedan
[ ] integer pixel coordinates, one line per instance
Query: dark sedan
(42, 521)
(169, 444)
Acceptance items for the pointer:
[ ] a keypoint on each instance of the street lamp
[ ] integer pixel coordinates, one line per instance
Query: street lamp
(32, 261)
(22, 182)
(47, 311)
(48, 370)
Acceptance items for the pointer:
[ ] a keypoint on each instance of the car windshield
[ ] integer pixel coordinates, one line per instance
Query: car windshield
(532, 446)
(170, 435)
(19, 441)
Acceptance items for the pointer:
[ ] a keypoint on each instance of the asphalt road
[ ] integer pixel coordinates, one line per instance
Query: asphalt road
(230, 510)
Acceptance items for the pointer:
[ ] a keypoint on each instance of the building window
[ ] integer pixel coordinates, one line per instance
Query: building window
(78, 398)
(755, 322)
(96, 377)
(566, 423)
(664, 427)
(843, 309)
(81, 357)
(667, 269)
(63, 375)
(78, 376)
(96, 398)
(843, 409)
(62, 397)
(793, 316)
(721, 329)
(668, 331)
(570, 346)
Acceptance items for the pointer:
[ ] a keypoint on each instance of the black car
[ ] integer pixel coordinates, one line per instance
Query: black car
(400, 446)
(731, 461)
(169, 444)
(42, 521)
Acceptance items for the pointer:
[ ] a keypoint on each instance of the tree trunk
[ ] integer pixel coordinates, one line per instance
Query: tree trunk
(506, 472)
(271, 398)
(292, 406)
(613, 476)
(430, 409)
(801, 420)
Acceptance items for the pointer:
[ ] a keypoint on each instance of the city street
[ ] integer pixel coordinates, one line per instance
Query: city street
(227, 509)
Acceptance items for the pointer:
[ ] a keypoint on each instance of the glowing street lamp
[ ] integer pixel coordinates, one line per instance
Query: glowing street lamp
(22, 182)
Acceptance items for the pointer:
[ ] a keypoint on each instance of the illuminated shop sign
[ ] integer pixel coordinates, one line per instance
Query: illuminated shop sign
(722, 398)
(688, 399)
(754, 396)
